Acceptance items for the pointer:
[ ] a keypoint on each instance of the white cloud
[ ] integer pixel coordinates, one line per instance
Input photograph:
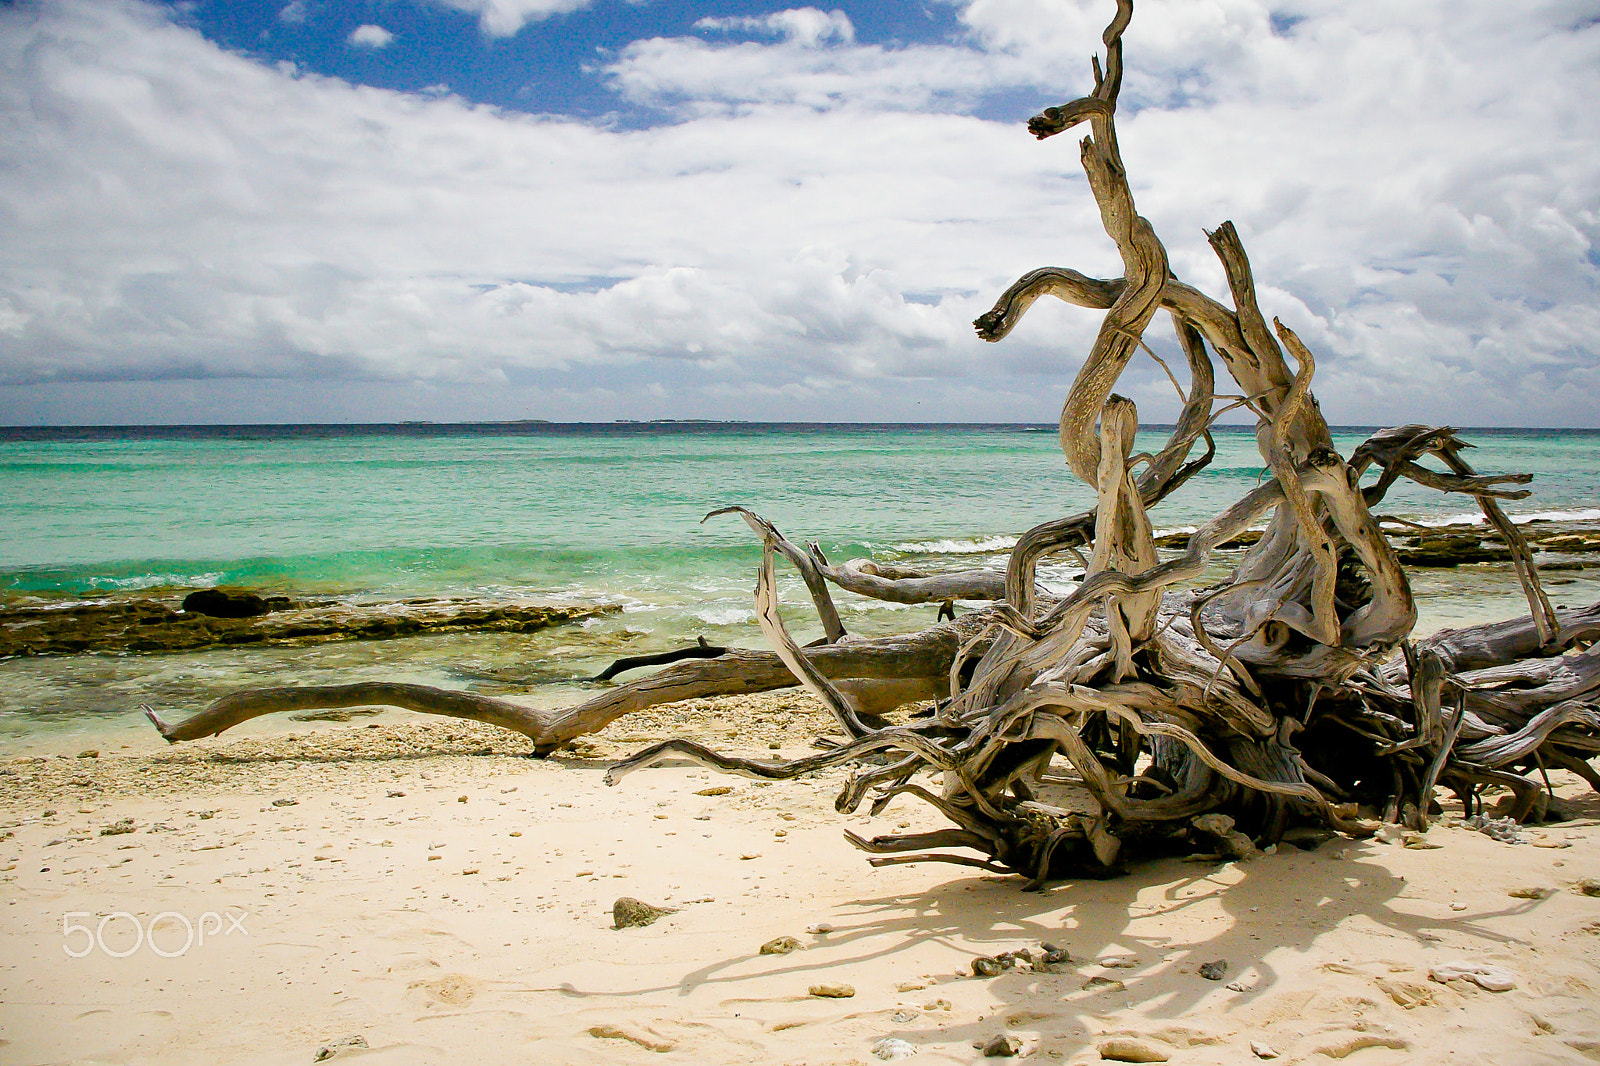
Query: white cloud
(293, 12)
(370, 36)
(814, 232)
(805, 26)
(504, 18)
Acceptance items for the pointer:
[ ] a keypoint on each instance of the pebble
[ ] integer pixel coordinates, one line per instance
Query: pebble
(840, 991)
(627, 913)
(820, 929)
(781, 946)
(1262, 1051)
(1001, 1046)
(1127, 1049)
(1531, 892)
(117, 828)
(984, 966)
(285, 802)
(89, 754)
(1098, 983)
(328, 1051)
(1120, 962)
(1214, 971)
(1588, 886)
(718, 790)
(892, 1047)
(1489, 978)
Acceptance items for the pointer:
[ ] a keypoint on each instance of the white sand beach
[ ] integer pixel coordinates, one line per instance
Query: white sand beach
(423, 893)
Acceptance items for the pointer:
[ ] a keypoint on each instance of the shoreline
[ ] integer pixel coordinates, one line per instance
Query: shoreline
(418, 885)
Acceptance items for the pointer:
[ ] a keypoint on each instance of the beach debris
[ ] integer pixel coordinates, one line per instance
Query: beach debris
(630, 913)
(1489, 978)
(1102, 983)
(333, 1048)
(892, 1047)
(833, 991)
(1213, 971)
(1505, 830)
(902, 1016)
(1231, 842)
(781, 946)
(1000, 1046)
(987, 966)
(90, 753)
(285, 802)
(117, 828)
(1587, 886)
(1130, 1049)
(1119, 962)
(1051, 955)
(715, 790)
(1531, 892)
(646, 1039)
(1262, 1051)
(820, 929)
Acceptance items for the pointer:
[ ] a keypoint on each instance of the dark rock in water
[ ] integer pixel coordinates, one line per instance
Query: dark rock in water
(225, 603)
(1450, 550)
(35, 626)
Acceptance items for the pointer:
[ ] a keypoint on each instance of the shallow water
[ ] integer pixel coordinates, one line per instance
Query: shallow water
(609, 514)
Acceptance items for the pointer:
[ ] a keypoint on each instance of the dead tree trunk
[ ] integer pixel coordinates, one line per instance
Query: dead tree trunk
(1072, 731)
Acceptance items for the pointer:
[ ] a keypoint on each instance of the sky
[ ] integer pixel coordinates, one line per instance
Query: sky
(229, 211)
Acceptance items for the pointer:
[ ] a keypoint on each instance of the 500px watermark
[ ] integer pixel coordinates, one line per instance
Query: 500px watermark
(168, 934)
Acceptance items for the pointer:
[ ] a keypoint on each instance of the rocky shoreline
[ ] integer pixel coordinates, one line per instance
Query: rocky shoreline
(224, 617)
(186, 620)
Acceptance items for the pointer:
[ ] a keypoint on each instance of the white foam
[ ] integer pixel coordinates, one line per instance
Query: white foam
(980, 546)
(726, 616)
(1475, 518)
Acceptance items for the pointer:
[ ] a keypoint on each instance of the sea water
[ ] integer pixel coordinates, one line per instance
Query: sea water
(603, 513)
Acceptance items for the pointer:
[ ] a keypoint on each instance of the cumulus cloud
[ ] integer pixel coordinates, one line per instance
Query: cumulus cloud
(504, 18)
(805, 26)
(810, 231)
(293, 12)
(370, 36)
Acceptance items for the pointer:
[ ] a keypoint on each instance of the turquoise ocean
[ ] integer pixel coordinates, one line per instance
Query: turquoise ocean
(570, 513)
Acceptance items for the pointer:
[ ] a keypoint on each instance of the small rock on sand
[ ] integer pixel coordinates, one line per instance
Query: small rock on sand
(1214, 971)
(1002, 1046)
(1531, 892)
(892, 1047)
(1127, 1049)
(781, 946)
(719, 790)
(1097, 983)
(627, 913)
(1262, 1051)
(840, 991)
(328, 1051)
(1489, 978)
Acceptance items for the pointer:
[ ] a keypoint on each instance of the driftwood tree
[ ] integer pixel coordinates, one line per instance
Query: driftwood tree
(1068, 732)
